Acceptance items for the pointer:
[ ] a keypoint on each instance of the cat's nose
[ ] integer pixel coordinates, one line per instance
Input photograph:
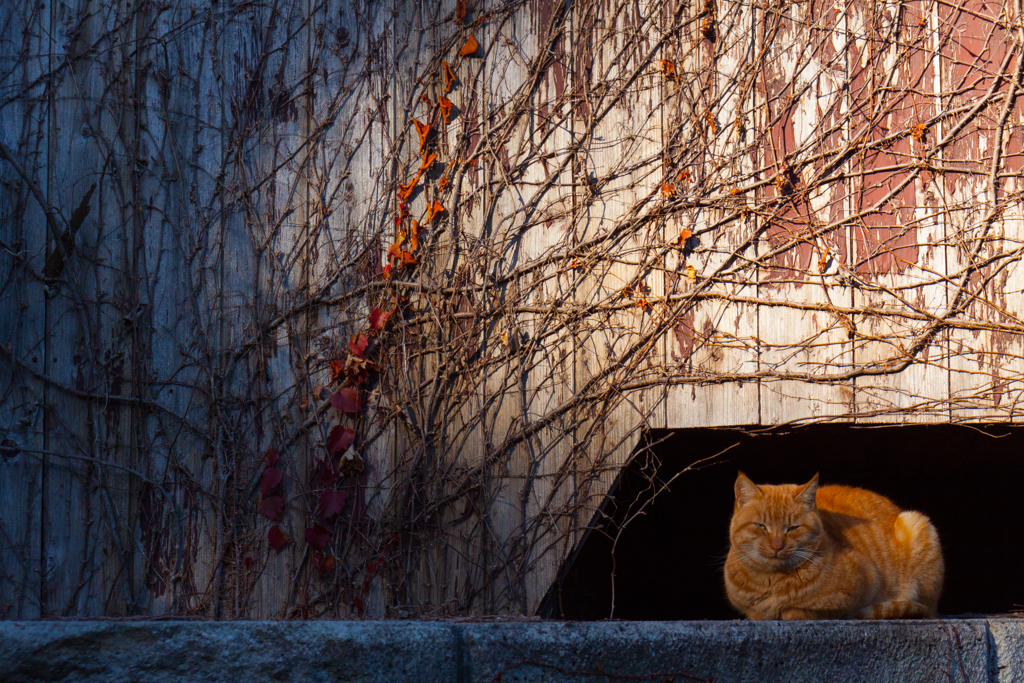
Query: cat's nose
(777, 544)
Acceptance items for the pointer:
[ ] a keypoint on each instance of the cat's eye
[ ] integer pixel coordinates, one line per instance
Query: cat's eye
(762, 527)
(792, 528)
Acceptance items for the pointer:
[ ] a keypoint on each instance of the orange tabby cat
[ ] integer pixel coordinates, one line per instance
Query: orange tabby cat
(835, 552)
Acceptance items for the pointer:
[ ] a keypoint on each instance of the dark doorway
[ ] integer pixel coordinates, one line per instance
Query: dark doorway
(668, 559)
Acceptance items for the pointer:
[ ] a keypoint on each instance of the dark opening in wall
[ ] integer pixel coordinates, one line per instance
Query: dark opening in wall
(666, 551)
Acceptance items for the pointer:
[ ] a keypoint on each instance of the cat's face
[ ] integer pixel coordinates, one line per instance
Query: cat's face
(775, 528)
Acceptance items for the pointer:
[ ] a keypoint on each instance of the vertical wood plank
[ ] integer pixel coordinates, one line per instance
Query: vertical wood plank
(23, 132)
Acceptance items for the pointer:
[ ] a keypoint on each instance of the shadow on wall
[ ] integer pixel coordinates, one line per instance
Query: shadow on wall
(667, 560)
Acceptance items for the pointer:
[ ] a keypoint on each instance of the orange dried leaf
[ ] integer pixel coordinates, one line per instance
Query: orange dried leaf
(449, 77)
(691, 273)
(442, 183)
(684, 174)
(668, 190)
(434, 211)
(823, 262)
(428, 161)
(414, 236)
(668, 67)
(710, 119)
(423, 130)
(395, 250)
(337, 370)
(734, 191)
(460, 11)
(404, 191)
(683, 237)
(918, 131)
(407, 258)
(446, 108)
(469, 48)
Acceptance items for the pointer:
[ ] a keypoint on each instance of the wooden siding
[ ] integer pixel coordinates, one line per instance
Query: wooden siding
(656, 215)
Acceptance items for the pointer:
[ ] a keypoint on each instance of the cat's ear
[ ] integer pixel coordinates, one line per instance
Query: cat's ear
(746, 490)
(807, 494)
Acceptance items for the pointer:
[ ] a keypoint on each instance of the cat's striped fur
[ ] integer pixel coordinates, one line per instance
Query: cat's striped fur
(835, 552)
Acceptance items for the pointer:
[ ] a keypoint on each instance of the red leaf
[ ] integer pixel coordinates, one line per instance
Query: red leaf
(357, 345)
(317, 537)
(272, 507)
(377, 319)
(276, 538)
(332, 502)
(272, 456)
(327, 476)
(271, 478)
(346, 400)
(337, 370)
(340, 439)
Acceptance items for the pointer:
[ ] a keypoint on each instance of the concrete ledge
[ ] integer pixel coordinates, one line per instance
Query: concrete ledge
(250, 652)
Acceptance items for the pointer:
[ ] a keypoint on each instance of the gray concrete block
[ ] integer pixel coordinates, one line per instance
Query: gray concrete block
(253, 652)
(235, 652)
(730, 651)
(1008, 650)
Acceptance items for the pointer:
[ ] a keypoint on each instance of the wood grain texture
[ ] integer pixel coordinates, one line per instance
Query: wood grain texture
(655, 216)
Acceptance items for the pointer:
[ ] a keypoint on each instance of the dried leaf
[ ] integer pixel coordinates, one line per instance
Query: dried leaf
(423, 130)
(272, 456)
(408, 259)
(340, 439)
(318, 537)
(823, 262)
(377, 318)
(668, 67)
(434, 211)
(684, 175)
(395, 250)
(469, 48)
(449, 77)
(709, 118)
(325, 564)
(405, 191)
(707, 29)
(442, 183)
(684, 235)
(272, 507)
(351, 460)
(460, 11)
(668, 190)
(427, 162)
(271, 478)
(918, 132)
(337, 368)
(735, 191)
(357, 345)
(691, 273)
(332, 502)
(387, 272)
(276, 538)
(446, 108)
(346, 400)
(414, 236)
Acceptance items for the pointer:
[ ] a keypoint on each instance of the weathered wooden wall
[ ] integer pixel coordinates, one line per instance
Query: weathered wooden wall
(656, 215)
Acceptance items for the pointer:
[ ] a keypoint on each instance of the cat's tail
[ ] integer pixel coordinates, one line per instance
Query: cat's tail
(924, 568)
